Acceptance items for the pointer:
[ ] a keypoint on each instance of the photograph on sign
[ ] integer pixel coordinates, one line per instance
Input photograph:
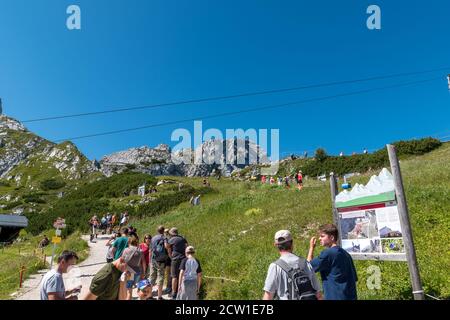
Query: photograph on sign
(389, 222)
(375, 230)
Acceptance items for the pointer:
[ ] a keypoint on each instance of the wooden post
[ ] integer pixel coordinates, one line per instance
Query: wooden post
(22, 269)
(406, 225)
(334, 192)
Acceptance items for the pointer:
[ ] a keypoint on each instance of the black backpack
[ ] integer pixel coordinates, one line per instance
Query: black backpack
(299, 282)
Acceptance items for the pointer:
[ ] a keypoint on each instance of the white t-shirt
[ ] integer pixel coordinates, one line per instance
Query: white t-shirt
(277, 279)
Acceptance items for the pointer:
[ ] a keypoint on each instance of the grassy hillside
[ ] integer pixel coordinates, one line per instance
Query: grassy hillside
(233, 230)
(324, 164)
(114, 194)
(35, 182)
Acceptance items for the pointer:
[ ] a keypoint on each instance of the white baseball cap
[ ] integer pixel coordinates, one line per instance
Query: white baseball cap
(282, 236)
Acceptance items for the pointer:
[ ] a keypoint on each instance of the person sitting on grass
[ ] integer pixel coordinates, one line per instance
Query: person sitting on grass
(52, 285)
(44, 242)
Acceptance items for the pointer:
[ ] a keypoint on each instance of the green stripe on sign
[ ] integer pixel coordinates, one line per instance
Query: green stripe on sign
(383, 197)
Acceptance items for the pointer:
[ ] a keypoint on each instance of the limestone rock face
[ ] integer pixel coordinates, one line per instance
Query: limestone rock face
(24, 153)
(211, 158)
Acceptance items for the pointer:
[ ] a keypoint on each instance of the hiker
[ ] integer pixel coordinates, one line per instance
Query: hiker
(168, 263)
(109, 283)
(272, 180)
(52, 285)
(44, 242)
(197, 200)
(286, 182)
(263, 179)
(120, 243)
(280, 181)
(110, 252)
(132, 229)
(124, 219)
(94, 224)
(145, 249)
(135, 264)
(335, 266)
(299, 178)
(365, 151)
(144, 290)
(176, 247)
(109, 224)
(159, 258)
(290, 277)
(190, 278)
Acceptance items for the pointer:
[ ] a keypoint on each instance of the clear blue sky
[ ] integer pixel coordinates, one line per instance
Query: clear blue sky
(141, 52)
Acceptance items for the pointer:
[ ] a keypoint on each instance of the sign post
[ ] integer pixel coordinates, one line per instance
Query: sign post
(334, 192)
(58, 225)
(373, 221)
(406, 225)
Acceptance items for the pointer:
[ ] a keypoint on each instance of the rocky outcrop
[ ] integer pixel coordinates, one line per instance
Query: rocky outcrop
(21, 150)
(212, 157)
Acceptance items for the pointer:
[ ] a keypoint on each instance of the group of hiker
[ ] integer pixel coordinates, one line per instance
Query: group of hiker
(286, 181)
(293, 277)
(107, 223)
(133, 264)
(167, 258)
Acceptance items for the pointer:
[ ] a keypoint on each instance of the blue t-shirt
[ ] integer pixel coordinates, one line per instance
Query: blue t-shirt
(338, 274)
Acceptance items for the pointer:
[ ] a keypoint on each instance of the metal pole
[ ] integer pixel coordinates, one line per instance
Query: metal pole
(406, 225)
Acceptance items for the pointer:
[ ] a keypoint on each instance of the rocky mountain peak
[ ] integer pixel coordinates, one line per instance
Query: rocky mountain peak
(11, 124)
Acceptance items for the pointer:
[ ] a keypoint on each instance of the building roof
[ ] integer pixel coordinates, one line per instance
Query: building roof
(10, 220)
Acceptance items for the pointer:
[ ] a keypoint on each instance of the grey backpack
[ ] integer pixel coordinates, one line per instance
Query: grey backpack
(300, 286)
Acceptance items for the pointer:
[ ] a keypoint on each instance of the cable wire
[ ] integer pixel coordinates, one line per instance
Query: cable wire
(249, 94)
(249, 110)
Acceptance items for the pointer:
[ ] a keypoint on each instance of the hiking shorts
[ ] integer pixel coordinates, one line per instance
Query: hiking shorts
(168, 262)
(175, 268)
(157, 273)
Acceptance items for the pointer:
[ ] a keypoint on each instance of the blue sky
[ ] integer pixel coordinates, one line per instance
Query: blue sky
(143, 52)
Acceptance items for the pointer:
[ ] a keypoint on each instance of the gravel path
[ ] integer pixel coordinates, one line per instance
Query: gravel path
(81, 275)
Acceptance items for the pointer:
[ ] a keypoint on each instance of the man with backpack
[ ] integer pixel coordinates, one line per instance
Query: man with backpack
(159, 258)
(290, 277)
(176, 247)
